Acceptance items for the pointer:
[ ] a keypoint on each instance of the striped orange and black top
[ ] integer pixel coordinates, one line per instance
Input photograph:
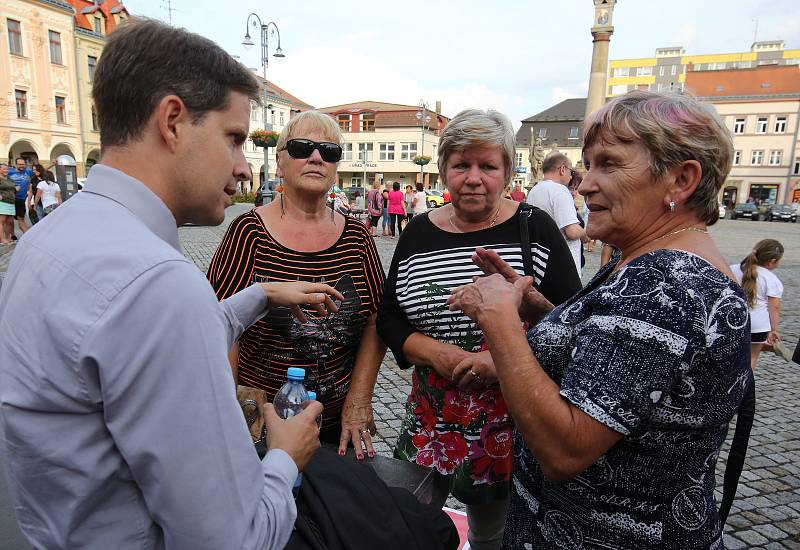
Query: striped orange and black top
(325, 347)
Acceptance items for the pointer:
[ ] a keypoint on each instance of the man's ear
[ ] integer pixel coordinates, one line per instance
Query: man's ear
(684, 181)
(171, 114)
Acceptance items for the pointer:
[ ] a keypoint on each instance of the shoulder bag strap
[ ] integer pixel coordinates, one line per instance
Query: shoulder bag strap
(525, 239)
(738, 450)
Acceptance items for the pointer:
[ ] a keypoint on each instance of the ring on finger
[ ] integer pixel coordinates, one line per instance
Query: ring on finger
(474, 374)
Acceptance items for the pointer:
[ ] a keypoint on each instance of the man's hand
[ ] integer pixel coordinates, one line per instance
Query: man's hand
(298, 436)
(317, 296)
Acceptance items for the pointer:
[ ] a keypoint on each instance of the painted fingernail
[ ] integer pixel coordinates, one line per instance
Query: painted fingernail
(372, 455)
(341, 453)
(360, 457)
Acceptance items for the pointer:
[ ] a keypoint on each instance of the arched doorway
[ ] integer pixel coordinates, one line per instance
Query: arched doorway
(25, 149)
(91, 159)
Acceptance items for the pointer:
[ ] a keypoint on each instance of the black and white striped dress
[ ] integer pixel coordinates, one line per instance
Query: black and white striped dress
(464, 434)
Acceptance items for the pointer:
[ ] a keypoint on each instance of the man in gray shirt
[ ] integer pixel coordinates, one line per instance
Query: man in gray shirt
(119, 425)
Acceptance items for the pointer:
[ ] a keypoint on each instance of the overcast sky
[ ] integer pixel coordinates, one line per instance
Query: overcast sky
(517, 56)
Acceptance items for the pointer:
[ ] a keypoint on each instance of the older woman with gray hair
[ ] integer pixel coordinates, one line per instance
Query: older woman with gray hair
(456, 418)
(622, 395)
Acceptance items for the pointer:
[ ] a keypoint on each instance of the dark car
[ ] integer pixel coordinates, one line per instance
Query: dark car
(783, 213)
(745, 210)
(266, 192)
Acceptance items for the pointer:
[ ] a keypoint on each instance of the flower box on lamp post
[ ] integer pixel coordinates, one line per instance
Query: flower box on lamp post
(421, 160)
(264, 138)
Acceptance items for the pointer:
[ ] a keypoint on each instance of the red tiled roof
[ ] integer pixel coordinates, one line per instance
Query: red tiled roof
(274, 89)
(105, 7)
(764, 80)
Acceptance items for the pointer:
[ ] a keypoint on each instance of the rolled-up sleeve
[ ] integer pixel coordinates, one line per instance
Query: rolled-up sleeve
(170, 406)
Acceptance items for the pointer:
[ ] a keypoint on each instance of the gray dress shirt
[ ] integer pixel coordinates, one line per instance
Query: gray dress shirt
(119, 426)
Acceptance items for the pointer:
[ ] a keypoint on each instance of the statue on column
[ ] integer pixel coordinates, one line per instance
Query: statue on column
(536, 155)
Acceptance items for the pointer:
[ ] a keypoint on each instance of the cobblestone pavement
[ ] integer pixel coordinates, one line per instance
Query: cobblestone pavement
(766, 513)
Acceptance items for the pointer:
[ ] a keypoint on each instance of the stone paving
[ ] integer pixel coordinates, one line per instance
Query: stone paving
(766, 513)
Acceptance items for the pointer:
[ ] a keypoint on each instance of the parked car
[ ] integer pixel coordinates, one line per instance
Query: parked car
(265, 190)
(434, 198)
(783, 213)
(722, 211)
(745, 210)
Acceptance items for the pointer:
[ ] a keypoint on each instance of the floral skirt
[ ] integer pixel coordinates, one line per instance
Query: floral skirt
(465, 435)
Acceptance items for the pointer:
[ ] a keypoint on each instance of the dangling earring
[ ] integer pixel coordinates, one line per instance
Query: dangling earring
(333, 206)
(671, 207)
(283, 209)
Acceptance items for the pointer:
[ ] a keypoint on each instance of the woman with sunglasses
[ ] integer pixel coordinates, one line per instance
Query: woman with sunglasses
(297, 238)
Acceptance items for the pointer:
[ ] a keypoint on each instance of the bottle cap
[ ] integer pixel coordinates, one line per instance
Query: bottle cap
(295, 373)
(312, 396)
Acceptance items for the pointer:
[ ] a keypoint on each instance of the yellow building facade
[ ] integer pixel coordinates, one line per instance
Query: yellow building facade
(667, 69)
(39, 102)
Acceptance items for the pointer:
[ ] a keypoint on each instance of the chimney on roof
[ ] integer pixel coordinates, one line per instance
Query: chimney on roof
(438, 107)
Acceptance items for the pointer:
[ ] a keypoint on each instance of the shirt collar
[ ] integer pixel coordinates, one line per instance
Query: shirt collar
(137, 197)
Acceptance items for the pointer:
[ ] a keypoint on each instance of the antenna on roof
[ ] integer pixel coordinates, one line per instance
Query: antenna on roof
(755, 32)
(167, 6)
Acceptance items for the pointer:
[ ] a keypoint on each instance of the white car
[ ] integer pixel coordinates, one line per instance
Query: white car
(722, 211)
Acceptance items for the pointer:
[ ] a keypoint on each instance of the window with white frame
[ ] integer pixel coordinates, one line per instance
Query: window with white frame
(761, 125)
(281, 118)
(757, 158)
(661, 70)
(365, 152)
(518, 159)
(644, 71)
(796, 170)
(98, 25)
(775, 157)
(55, 47)
(91, 65)
(619, 89)
(543, 133)
(780, 125)
(21, 97)
(355, 182)
(738, 126)
(254, 110)
(408, 151)
(345, 123)
(14, 36)
(367, 122)
(61, 110)
(621, 71)
(573, 132)
(737, 158)
(347, 151)
(386, 151)
(674, 70)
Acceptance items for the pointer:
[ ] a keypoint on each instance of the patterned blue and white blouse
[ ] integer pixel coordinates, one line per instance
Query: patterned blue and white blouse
(658, 352)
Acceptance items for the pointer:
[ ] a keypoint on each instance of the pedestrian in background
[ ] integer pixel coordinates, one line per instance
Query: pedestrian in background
(408, 200)
(374, 207)
(397, 211)
(420, 202)
(7, 192)
(48, 195)
(385, 213)
(763, 290)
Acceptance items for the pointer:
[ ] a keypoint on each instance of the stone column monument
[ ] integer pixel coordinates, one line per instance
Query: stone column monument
(601, 32)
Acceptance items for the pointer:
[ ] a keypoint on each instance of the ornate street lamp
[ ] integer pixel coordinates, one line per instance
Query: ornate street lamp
(424, 119)
(267, 30)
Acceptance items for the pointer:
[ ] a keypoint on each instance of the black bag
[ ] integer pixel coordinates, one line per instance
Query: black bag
(738, 450)
(33, 215)
(344, 505)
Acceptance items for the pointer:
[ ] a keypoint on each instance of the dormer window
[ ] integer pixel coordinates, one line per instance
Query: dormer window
(98, 24)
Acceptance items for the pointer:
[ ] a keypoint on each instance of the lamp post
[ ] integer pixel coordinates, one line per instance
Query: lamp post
(424, 119)
(255, 21)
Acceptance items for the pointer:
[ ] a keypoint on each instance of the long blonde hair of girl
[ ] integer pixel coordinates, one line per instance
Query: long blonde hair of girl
(763, 252)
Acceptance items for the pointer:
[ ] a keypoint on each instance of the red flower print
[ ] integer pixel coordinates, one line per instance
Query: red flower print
(443, 451)
(491, 456)
(492, 402)
(438, 382)
(425, 412)
(461, 407)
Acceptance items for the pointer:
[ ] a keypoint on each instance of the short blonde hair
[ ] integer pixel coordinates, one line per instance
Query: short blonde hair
(673, 128)
(476, 128)
(310, 121)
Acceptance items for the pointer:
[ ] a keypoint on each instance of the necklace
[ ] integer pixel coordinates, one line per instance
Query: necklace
(690, 228)
(491, 224)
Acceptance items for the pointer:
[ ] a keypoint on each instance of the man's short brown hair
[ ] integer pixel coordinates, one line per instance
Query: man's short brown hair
(145, 60)
(554, 161)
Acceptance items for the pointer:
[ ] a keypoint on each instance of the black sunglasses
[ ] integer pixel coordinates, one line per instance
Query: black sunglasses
(303, 148)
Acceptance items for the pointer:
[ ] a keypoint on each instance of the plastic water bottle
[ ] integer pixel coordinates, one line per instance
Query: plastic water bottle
(312, 396)
(289, 402)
